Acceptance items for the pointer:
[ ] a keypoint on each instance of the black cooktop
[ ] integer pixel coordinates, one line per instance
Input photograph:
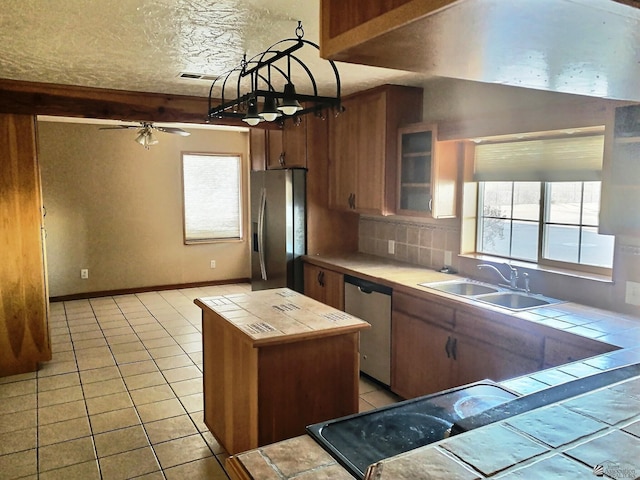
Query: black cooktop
(359, 440)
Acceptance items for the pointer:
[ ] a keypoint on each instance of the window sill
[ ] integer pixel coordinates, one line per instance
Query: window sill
(541, 268)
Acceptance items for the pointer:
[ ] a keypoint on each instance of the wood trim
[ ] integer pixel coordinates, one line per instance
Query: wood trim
(24, 331)
(32, 98)
(129, 291)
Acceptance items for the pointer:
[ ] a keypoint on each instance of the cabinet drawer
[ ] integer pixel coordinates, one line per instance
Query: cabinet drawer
(502, 336)
(423, 309)
(571, 348)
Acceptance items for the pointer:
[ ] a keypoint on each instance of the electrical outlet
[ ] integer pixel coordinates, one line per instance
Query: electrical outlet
(447, 258)
(84, 273)
(213, 264)
(391, 247)
(632, 293)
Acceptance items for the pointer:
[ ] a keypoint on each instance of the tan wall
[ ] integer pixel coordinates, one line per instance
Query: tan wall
(115, 208)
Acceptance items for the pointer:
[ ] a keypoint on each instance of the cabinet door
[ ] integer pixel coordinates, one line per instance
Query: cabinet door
(258, 149)
(343, 129)
(420, 363)
(275, 149)
(620, 172)
(334, 289)
(326, 286)
(567, 347)
(312, 282)
(294, 143)
(370, 142)
(475, 360)
(427, 172)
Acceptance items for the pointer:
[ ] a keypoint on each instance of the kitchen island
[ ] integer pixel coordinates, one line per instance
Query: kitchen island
(275, 361)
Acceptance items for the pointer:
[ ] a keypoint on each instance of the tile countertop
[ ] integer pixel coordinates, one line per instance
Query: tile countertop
(617, 329)
(564, 440)
(279, 316)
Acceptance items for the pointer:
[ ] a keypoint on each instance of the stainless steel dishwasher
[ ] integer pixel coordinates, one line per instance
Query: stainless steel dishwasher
(372, 303)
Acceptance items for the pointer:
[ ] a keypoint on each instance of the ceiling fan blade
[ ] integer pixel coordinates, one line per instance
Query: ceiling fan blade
(119, 127)
(174, 130)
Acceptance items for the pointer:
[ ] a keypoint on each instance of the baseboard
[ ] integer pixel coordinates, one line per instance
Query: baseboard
(130, 291)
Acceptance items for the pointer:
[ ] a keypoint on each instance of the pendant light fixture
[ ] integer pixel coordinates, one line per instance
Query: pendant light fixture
(254, 86)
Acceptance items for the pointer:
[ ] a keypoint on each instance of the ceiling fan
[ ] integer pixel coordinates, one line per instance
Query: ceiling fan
(145, 137)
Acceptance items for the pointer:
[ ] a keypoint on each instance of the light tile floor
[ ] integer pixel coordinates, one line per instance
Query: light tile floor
(122, 396)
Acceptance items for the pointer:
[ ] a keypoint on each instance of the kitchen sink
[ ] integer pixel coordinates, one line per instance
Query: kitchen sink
(500, 296)
(516, 300)
(462, 287)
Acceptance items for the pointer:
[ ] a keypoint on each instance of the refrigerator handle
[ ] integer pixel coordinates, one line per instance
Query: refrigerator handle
(263, 206)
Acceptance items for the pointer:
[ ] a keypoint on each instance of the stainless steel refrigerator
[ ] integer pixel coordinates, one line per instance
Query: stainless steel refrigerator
(278, 228)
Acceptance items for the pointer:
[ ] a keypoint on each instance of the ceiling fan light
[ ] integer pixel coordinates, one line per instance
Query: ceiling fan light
(151, 139)
(269, 110)
(289, 104)
(142, 138)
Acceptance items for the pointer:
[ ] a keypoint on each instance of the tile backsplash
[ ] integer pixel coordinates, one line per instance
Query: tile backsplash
(415, 242)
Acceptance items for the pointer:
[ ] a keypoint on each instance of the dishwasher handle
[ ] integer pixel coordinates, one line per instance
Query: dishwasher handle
(367, 287)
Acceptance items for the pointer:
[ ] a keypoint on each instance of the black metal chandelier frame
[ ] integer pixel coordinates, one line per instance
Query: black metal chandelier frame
(259, 69)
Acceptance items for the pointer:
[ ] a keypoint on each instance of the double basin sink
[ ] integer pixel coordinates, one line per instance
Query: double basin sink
(492, 294)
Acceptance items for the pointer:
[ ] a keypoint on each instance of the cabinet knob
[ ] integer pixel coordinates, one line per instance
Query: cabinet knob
(281, 160)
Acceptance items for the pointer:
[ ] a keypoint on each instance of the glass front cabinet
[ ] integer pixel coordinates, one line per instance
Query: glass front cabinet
(427, 172)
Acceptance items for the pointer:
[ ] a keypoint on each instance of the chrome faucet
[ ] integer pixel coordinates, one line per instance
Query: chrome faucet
(512, 282)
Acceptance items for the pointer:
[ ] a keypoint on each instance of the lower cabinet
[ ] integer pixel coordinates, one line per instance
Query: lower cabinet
(477, 360)
(421, 342)
(565, 347)
(419, 364)
(326, 286)
(435, 347)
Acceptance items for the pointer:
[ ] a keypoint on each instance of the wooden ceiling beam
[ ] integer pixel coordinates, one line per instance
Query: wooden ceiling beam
(33, 98)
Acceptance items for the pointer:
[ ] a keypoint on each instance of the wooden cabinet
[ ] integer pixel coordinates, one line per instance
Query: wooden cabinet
(24, 330)
(435, 347)
(421, 341)
(490, 349)
(427, 172)
(294, 144)
(326, 286)
(363, 148)
(619, 213)
(265, 148)
(419, 364)
(565, 347)
(279, 148)
(369, 33)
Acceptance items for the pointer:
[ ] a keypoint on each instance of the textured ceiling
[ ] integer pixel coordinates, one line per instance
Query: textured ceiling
(144, 45)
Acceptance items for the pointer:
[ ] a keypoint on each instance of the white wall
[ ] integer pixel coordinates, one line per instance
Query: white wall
(115, 208)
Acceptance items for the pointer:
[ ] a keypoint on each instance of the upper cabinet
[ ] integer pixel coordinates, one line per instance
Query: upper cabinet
(427, 172)
(363, 148)
(279, 148)
(483, 41)
(619, 212)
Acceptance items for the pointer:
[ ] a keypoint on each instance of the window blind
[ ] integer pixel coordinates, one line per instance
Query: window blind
(545, 160)
(212, 208)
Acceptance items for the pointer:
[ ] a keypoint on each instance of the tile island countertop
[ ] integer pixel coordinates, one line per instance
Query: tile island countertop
(569, 439)
(279, 316)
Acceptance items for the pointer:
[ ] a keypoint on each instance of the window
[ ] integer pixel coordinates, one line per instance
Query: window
(539, 201)
(212, 197)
